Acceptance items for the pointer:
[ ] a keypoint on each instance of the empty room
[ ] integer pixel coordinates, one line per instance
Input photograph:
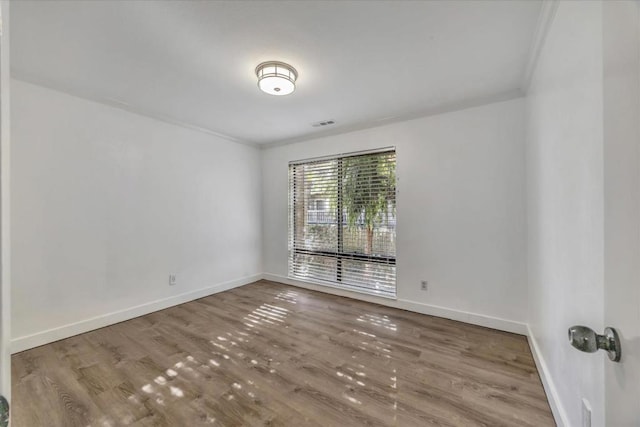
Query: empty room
(320, 213)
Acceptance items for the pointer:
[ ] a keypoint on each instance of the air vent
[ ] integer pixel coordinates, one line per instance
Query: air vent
(325, 123)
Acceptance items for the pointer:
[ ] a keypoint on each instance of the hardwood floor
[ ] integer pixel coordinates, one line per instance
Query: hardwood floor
(268, 354)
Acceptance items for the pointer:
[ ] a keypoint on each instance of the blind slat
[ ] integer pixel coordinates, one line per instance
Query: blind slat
(342, 221)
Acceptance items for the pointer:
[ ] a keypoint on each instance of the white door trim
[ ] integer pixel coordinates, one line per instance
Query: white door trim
(5, 199)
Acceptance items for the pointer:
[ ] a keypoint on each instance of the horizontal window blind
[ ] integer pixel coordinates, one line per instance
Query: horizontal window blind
(342, 221)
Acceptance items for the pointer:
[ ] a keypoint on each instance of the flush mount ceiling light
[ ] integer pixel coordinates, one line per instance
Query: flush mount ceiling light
(276, 78)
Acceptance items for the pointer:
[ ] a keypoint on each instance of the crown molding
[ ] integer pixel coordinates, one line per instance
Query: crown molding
(545, 19)
(433, 111)
(114, 103)
(121, 105)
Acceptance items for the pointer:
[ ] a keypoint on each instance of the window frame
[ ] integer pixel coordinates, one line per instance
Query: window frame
(339, 255)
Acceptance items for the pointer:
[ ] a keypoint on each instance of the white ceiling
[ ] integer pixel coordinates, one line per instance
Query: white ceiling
(360, 63)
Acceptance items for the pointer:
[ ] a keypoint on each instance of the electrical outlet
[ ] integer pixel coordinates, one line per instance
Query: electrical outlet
(423, 285)
(172, 279)
(586, 413)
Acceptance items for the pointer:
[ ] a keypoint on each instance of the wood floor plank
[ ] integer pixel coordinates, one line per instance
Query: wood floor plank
(268, 354)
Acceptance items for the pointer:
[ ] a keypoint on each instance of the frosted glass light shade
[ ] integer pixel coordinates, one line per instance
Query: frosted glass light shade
(276, 78)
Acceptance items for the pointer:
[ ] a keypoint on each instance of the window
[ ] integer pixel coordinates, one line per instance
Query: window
(342, 221)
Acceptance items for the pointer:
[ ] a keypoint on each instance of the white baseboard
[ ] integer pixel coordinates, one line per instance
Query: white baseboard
(30, 341)
(432, 310)
(559, 414)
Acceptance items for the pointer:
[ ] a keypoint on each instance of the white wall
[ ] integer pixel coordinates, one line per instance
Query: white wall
(564, 155)
(621, 49)
(106, 204)
(461, 220)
